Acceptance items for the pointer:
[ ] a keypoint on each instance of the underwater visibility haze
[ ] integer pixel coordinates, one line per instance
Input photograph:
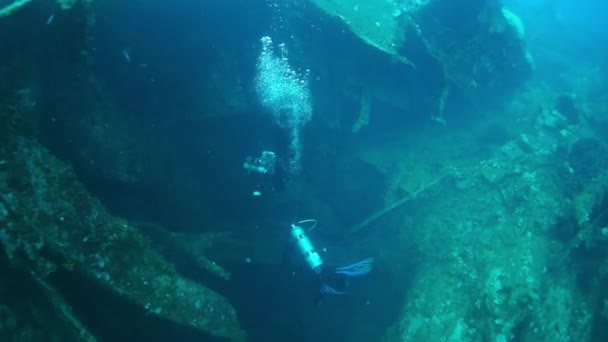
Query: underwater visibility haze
(304, 170)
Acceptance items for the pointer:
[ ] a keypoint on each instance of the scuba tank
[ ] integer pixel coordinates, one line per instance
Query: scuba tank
(312, 257)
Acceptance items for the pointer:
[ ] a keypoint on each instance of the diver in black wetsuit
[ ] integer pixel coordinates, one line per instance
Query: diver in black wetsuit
(331, 281)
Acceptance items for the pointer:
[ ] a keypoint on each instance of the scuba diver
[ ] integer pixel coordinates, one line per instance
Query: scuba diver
(266, 163)
(328, 280)
(331, 281)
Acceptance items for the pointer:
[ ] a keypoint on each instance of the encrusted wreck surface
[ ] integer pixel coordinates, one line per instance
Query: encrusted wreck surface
(53, 230)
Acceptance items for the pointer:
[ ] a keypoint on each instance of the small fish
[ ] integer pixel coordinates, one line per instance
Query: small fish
(49, 21)
(125, 53)
(257, 193)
